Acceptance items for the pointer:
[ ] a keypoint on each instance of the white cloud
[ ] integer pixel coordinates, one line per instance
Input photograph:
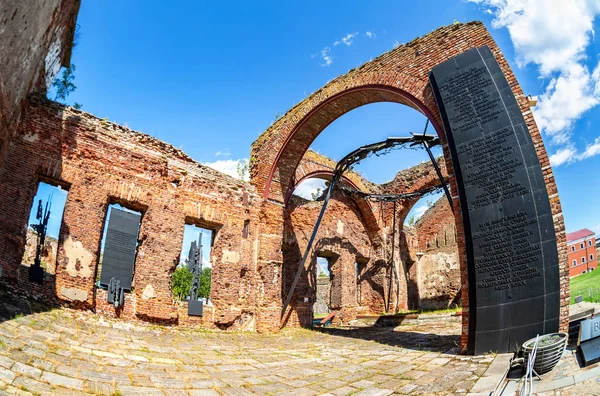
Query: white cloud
(420, 211)
(554, 35)
(230, 167)
(592, 149)
(563, 156)
(225, 153)
(565, 100)
(370, 34)
(325, 55)
(309, 187)
(348, 40)
(395, 44)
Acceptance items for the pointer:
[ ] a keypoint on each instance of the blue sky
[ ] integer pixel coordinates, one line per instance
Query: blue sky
(209, 77)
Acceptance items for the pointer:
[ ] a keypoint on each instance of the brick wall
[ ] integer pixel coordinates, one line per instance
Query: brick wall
(102, 163)
(343, 241)
(35, 40)
(437, 271)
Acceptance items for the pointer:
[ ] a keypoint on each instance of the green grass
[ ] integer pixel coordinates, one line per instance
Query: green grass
(582, 284)
(431, 311)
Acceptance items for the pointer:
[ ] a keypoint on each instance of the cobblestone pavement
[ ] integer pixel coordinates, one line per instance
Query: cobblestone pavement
(74, 352)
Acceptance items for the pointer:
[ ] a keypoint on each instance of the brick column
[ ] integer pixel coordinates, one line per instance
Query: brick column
(79, 242)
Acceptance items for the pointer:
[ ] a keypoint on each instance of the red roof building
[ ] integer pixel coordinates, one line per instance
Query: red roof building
(581, 248)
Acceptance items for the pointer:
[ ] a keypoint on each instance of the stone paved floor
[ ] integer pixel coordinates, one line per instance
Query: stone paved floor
(74, 352)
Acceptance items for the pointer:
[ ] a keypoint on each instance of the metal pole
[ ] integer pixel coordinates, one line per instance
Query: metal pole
(439, 173)
(309, 246)
(392, 264)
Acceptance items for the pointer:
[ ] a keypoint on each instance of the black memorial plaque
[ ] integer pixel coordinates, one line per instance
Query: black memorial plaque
(120, 247)
(590, 351)
(512, 256)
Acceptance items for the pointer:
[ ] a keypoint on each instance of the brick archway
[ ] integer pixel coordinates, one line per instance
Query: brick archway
(399, 76)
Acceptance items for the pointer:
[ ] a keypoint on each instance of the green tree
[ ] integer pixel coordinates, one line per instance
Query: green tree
(315, 195)
(205, 277)
(181, 282)
(64, 85)
(411, 221)
(242, 169)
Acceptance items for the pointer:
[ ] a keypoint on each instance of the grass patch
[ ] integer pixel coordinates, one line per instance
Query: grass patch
(430, 311)
(586, 285)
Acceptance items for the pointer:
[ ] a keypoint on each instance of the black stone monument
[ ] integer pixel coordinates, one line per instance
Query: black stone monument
(120, 248)
(512, 256)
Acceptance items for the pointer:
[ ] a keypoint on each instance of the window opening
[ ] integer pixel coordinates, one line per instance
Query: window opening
(45, 220)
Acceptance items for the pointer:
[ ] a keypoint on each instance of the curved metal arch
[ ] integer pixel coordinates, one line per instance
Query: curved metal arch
(318, 174)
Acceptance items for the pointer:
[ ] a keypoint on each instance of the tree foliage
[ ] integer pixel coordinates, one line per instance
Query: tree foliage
(316, 194)
(64, 85)
(181, 282)
(205, 277)
(411, 221)
(242, 169)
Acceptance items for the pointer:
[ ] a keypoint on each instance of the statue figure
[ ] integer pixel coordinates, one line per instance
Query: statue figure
(194, 263)
(36, 272)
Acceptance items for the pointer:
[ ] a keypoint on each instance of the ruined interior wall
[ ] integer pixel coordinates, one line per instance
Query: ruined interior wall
(438, 270)
(103, 163)
(35, 40)
(341, 239)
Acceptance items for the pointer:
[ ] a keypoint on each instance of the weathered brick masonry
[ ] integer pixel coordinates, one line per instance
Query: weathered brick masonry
(437, 270)
(102, 163)
(400, 76)
(36, 38)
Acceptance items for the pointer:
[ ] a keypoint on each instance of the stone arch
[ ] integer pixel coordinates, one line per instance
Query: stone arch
(400, 76)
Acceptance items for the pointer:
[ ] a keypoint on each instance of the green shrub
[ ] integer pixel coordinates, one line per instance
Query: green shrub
(181, 282)
(205, 276)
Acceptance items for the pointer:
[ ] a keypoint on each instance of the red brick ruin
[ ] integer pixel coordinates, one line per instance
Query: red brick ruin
(101, 163)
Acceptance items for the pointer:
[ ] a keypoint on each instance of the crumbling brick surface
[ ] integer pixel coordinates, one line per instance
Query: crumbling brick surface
(35, 40)
(103, 163)
(342, 240)
(437, 270)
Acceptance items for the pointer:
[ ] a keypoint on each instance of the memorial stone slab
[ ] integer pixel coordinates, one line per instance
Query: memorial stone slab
(590, 351)
(512, 256)
(120, 248)
(590, 328)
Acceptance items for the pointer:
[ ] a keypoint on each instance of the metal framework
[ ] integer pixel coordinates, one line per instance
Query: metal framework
(353, 158)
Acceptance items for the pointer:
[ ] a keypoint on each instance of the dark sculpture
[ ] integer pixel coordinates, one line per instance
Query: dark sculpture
(194, 263)
(116, 294)
(36, 272)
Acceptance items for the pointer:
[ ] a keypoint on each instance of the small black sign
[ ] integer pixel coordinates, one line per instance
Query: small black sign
(195, 308)
(120, 248)
(512, 255)
(590, 351)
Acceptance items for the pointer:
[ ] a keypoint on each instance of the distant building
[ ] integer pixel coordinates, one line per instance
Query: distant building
(581, 247)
